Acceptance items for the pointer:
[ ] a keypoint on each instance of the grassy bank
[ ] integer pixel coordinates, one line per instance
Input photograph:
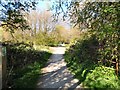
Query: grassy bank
(28, 76)
(24, 64)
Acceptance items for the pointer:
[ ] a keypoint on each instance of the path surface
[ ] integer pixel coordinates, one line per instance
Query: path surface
(55, 74)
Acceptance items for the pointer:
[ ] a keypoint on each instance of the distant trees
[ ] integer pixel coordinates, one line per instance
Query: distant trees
(66, 35)
(32, 25)
(41, 25)
(40, 21)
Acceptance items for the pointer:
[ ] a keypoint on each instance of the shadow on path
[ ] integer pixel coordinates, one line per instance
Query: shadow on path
(56, 75)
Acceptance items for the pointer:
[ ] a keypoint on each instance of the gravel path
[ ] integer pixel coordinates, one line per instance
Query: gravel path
(55, 74)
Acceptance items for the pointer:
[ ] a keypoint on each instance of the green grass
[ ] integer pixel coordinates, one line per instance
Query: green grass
(27, 77)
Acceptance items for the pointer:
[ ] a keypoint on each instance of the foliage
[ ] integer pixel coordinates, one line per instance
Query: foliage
(19, 57)
(102, 77)
(57, 36)
(15, 21)
(82, 60)
(103, 19)
(12, 14)
(27, 77)
(45, 39)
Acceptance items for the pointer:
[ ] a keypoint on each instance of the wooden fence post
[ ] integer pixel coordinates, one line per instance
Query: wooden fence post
(4, 65)
(0, 67)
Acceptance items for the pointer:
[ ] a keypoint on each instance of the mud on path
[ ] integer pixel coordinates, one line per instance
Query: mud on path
(56, 75)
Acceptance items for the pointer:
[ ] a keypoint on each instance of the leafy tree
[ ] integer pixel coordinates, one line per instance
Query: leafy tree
(12, 14)
(102, 20)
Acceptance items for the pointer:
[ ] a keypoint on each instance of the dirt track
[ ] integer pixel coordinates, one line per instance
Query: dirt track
(55, 74)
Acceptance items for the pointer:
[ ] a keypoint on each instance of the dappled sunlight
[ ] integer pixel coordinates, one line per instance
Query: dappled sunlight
(56, 77)
(82, 37)
(56, 74)
(53, 66)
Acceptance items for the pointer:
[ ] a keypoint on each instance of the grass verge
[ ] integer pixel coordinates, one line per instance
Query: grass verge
(27, 77)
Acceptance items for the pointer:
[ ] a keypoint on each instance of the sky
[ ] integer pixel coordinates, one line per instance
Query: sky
(42, 6)
(46, 5)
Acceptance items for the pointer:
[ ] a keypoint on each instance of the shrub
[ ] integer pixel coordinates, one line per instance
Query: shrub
(102, 77)
(83, 59)
(19, 57)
